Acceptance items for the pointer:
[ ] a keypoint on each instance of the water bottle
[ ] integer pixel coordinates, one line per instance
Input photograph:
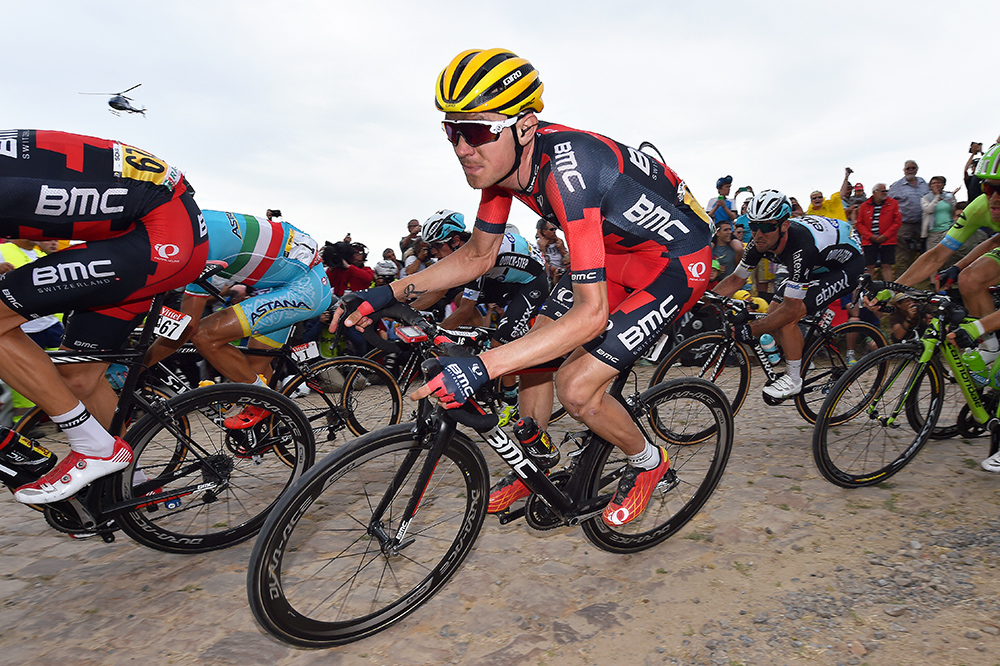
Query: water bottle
(536, 443)
(770, 348)
(977, 366)
(22, 460)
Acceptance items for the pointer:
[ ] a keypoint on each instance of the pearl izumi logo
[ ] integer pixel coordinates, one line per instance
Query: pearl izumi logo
(166, 251)
(63, 275)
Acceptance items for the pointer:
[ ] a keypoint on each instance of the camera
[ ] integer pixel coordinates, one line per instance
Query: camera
(334, 254)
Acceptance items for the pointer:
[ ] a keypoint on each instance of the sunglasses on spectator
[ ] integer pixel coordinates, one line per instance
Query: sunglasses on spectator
(990, 188)
(764, 227)
(475, 132)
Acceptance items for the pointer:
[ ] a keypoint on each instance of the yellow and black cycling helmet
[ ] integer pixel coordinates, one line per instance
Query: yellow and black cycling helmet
(496, 80)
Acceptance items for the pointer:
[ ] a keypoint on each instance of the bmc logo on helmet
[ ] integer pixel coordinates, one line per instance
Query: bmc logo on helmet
(166, 250)
(69, 272)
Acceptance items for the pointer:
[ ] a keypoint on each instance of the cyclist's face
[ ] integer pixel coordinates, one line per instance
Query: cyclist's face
(484, 165)
(771, 240)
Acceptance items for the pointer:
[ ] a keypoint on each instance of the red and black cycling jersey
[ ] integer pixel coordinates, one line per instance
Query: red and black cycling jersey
(70, 186)
(609, 199)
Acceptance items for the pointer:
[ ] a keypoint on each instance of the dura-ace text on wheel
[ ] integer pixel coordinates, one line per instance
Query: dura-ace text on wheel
(231, 478)
(326, 569)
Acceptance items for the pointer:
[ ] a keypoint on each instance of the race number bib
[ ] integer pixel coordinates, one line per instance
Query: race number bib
(171, 324)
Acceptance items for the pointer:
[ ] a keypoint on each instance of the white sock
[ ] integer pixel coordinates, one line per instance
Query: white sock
(85, 434)
(648, 458)
(259, 381)
(990, 343)
(793, 368)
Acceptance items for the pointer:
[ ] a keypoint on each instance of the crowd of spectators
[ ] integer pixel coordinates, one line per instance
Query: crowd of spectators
(896, 222)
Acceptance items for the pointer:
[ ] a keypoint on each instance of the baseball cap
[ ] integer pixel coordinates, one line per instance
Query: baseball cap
(716, 265)
(725, 179)
(859, 186)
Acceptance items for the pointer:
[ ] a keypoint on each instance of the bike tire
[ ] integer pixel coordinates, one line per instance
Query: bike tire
(854, 443)
(317, 576)
(694, 354)
(253, 478)
(684, 406)
(952, 411)
(347, 391)
(826, 361)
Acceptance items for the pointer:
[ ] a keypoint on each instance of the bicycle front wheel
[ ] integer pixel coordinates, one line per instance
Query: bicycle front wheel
(346, 392)
(684, 407)
(329, 567)
(710, 356)
(826, 361)
(861, 438)
(210, 487)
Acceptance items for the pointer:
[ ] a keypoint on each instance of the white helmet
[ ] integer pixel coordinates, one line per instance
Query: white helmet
(769, 206)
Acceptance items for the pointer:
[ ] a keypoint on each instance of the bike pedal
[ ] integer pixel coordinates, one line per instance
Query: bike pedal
(668, 482)
(508, 516)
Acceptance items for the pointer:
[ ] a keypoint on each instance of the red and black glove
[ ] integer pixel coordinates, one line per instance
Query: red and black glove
(947, 277)
(454, 380)
(368, 301)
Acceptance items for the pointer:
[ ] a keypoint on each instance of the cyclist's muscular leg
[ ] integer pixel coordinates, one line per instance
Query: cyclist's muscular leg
(32, 375)
(535, 390)
(212, 341)
(789, 334)
(581, 385)
(534, 397)
(974, 283)
(88, 383)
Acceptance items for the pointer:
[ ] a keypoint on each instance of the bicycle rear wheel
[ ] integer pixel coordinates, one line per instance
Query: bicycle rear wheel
(683, 407)
(826, 361)
(859, 439)
(326, 570)
(225, 480)
(351, 392)
(699, 356)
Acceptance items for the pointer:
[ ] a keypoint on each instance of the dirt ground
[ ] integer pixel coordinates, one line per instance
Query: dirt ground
(781, 567)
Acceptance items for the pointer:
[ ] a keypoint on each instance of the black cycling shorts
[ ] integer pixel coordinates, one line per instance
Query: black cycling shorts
(638, 317)
(825, 288)
(521, 301)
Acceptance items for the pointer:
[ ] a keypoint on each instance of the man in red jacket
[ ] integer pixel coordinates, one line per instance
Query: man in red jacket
(878, 223)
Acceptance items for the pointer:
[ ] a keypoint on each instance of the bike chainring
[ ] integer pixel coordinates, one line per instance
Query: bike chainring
(537, 513)
(968, 426)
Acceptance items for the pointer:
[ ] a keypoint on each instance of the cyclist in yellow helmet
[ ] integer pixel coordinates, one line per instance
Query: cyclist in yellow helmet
(639, 257)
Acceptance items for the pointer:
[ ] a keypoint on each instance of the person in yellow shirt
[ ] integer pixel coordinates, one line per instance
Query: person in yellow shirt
(832, 207)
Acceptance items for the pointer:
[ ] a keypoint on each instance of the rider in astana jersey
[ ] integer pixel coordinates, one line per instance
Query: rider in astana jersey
(284, 266)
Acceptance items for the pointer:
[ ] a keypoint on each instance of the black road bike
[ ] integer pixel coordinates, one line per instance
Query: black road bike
(378, 527)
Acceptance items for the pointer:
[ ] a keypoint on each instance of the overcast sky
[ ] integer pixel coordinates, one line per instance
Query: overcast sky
(326, 109)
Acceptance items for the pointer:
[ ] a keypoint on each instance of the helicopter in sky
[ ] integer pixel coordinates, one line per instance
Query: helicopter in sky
(119, 102)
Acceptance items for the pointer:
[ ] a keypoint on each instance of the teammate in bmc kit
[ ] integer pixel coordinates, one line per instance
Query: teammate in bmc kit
(144, 234)
(638, 242)
(824, 260)
(283, 264)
